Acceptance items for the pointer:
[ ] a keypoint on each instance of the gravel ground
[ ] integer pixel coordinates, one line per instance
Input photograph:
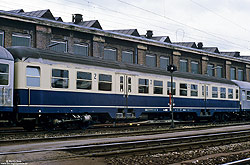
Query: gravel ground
(207, 156)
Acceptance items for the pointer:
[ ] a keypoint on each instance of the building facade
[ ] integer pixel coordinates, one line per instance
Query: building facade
(40, 29)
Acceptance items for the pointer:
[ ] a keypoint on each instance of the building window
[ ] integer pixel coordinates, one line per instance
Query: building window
(21, 40)
(248, 95)
(214, 92)
(80, 49)
(59, 46)
(84, 80)
(127, 57)
(60, 78)
(105, 82)
(240, 74)
(151, 60)
(110, 54)
(1, 38)
(203, 90)
(169, 88)
(183, 66)
(143, 86)
(210, 70)
(4, 74)
(219, 71)
(222, 92)
(232, 73)
(194, 90)
(33, 76)
(194, 67)
(230, 93)
(164, 62)
(158, 87)
(183, 89)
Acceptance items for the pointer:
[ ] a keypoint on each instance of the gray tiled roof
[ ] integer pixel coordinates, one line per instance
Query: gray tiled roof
(17, 11)
(40, 13)
(58, 19)
(186, 44)
(132, 32)
(92, 23)
(162, 39)
(211, 49)
(233, 54)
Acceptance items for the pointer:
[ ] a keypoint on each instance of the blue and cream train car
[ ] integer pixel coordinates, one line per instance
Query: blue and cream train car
(53, 87)
(6, 85)
(244, 97)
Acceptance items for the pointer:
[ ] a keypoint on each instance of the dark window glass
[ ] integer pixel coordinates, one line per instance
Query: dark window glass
(183, 89)
(222, 92)
(1, 38)
(20, 40)
(110, 54)
(194, 67)
(84, 80)
(105, 82)
(248, 95)
(240, 74)
(143, 86)
(4, 74)
(158, 87)
(151, 60)
(127, 57)
(210, 70)
(121, 83)
(230, 93)
(232, 73)
(80, 49)
(214, 92)
(219, 71)
(33, 76)
(237, 94)
(60, 78)
(183, 66)
(58, 46)
(164, 62)
(194, 90)
(169, 88)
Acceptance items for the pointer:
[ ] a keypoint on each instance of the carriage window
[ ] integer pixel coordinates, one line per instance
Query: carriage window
(105, 82)
(81, 49)
(59, 46)
(143, 85)
(1, 38)
(158, 87)
(84, 80)
(121, 83)
(194, 90)
(33, 76)
(237, 93)
(20, 40)
(214, 92)
(248, 95)
(230, 93)
(60, 78)
(203, 90)
(183, 89)
(222, 92)
(129, 84)
(169, 88)
(4, 74)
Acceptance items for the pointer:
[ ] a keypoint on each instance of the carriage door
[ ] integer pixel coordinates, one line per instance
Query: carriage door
(205, 90)
(125, 89)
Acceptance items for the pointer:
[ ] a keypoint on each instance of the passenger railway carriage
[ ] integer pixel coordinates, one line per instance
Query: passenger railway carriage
(56, 88)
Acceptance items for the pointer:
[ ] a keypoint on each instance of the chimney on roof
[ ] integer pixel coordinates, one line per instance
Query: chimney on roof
(77, 18)
(237, 54)
(200, 45)
(149, 34)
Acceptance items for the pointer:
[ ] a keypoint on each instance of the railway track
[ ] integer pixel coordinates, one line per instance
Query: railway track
(93, 135)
